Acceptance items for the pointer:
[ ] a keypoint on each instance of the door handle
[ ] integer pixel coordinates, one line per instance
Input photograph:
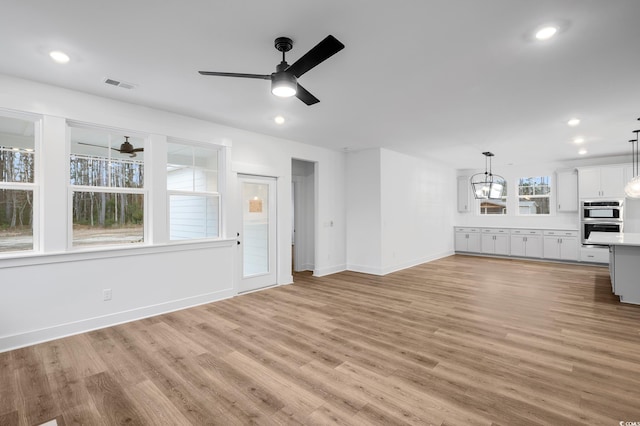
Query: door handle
(238, 236)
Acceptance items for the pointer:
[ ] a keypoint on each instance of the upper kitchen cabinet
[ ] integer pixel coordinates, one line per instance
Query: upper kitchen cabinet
(464, 194)
(601, 182)
(567, 190)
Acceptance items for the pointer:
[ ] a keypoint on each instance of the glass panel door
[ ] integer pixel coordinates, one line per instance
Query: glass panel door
(258, 237)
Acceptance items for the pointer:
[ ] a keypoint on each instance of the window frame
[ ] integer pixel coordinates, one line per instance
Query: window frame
(219, 194)
(548, 196)
(34, 186)
(72, 188)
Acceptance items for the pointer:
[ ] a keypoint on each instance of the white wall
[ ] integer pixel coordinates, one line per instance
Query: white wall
(263, 155)
(511, 219)
(400, 211)
(555, 219)
(563, 220)
(50, 295)
(418, 207)
(364, 211)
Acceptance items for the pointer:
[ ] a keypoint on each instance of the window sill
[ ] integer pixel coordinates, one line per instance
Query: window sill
(28, 259)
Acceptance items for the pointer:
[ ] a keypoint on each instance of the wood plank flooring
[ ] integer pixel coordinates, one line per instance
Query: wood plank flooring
(459, 341)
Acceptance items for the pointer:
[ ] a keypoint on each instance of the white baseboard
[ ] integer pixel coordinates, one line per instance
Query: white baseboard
(410, 264)
(330, 270)
(33, 337)
(398, 267)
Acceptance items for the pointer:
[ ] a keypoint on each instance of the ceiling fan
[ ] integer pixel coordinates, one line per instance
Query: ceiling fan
(125, 147)
(284, 82)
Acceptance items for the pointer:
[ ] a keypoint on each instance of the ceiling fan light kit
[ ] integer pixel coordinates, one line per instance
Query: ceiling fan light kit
(284, 82)
(284, 85)
(488, 186)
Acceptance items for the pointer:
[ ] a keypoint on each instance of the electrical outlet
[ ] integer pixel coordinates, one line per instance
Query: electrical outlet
(106, 294)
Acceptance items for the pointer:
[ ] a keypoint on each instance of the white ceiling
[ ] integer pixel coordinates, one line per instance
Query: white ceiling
(444, 79)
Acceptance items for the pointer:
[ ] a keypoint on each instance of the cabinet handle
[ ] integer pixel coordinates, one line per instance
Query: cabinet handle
(558, 206)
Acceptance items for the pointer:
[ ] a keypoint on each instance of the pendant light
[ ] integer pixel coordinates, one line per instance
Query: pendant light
(632, 189)
(487, 185)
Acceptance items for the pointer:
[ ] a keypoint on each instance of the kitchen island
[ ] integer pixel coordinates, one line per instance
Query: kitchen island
(624, 263)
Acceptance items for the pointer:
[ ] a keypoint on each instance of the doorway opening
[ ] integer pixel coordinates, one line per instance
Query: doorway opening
(303, 203)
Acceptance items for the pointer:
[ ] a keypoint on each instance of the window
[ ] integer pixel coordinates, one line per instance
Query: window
(497, 206)
(17, 184)
(192, 189)
(107, 188)
(533, 195)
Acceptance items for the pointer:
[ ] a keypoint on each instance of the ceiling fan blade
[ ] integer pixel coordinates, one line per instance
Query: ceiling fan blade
(137, 150)
(322, 51)
(99, 146)
(233, 74)
(306, 97)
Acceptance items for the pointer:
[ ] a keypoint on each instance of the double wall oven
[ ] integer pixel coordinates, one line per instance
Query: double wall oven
(600, 216)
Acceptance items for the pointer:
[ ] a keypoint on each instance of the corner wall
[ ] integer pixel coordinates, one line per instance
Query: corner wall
(50, 295)
(400, 211)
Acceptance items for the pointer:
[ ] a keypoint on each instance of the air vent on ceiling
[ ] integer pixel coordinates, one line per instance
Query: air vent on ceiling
(121, 84)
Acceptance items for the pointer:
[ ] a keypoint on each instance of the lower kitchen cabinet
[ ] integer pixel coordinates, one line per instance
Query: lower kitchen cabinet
(467, 239)
(561, 245)
(526, 242)
(495, 241)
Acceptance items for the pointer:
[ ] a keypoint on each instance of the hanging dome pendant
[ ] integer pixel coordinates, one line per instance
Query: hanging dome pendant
(487, 186)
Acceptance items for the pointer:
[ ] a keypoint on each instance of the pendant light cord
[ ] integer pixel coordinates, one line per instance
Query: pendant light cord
(636, 166)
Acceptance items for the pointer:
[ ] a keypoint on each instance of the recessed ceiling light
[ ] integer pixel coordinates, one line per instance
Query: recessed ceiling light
(279, 119)
(573, 122)
(582, 152)
(578, 140)
(59, 57)
(545, 33)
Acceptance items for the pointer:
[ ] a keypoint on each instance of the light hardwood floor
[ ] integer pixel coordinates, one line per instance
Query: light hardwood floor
(459, 341)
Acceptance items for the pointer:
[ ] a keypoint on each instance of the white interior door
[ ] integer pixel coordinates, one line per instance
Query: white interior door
(258, 235)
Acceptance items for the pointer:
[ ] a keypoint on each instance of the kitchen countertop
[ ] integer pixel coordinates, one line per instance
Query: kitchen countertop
(537, 228)
(615, 238)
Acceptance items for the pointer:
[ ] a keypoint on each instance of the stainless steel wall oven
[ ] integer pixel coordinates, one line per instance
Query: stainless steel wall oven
(600, 216)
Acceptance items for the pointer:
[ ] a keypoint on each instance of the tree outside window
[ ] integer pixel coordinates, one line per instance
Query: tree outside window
(17, 184)
(534, 195)
(107, 187)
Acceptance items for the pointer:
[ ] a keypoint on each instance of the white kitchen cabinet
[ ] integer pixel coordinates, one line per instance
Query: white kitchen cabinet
(567, 190)
(464, 194)
(562, 245)
(495, 241)
(467, 239)
(526, 242)
(594, 254)
(601, 182)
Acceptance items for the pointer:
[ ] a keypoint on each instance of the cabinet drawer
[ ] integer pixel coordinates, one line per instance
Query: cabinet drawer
(495, 231)
(526, 232)
(466, 229)
(561, 233)
(594, 254)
